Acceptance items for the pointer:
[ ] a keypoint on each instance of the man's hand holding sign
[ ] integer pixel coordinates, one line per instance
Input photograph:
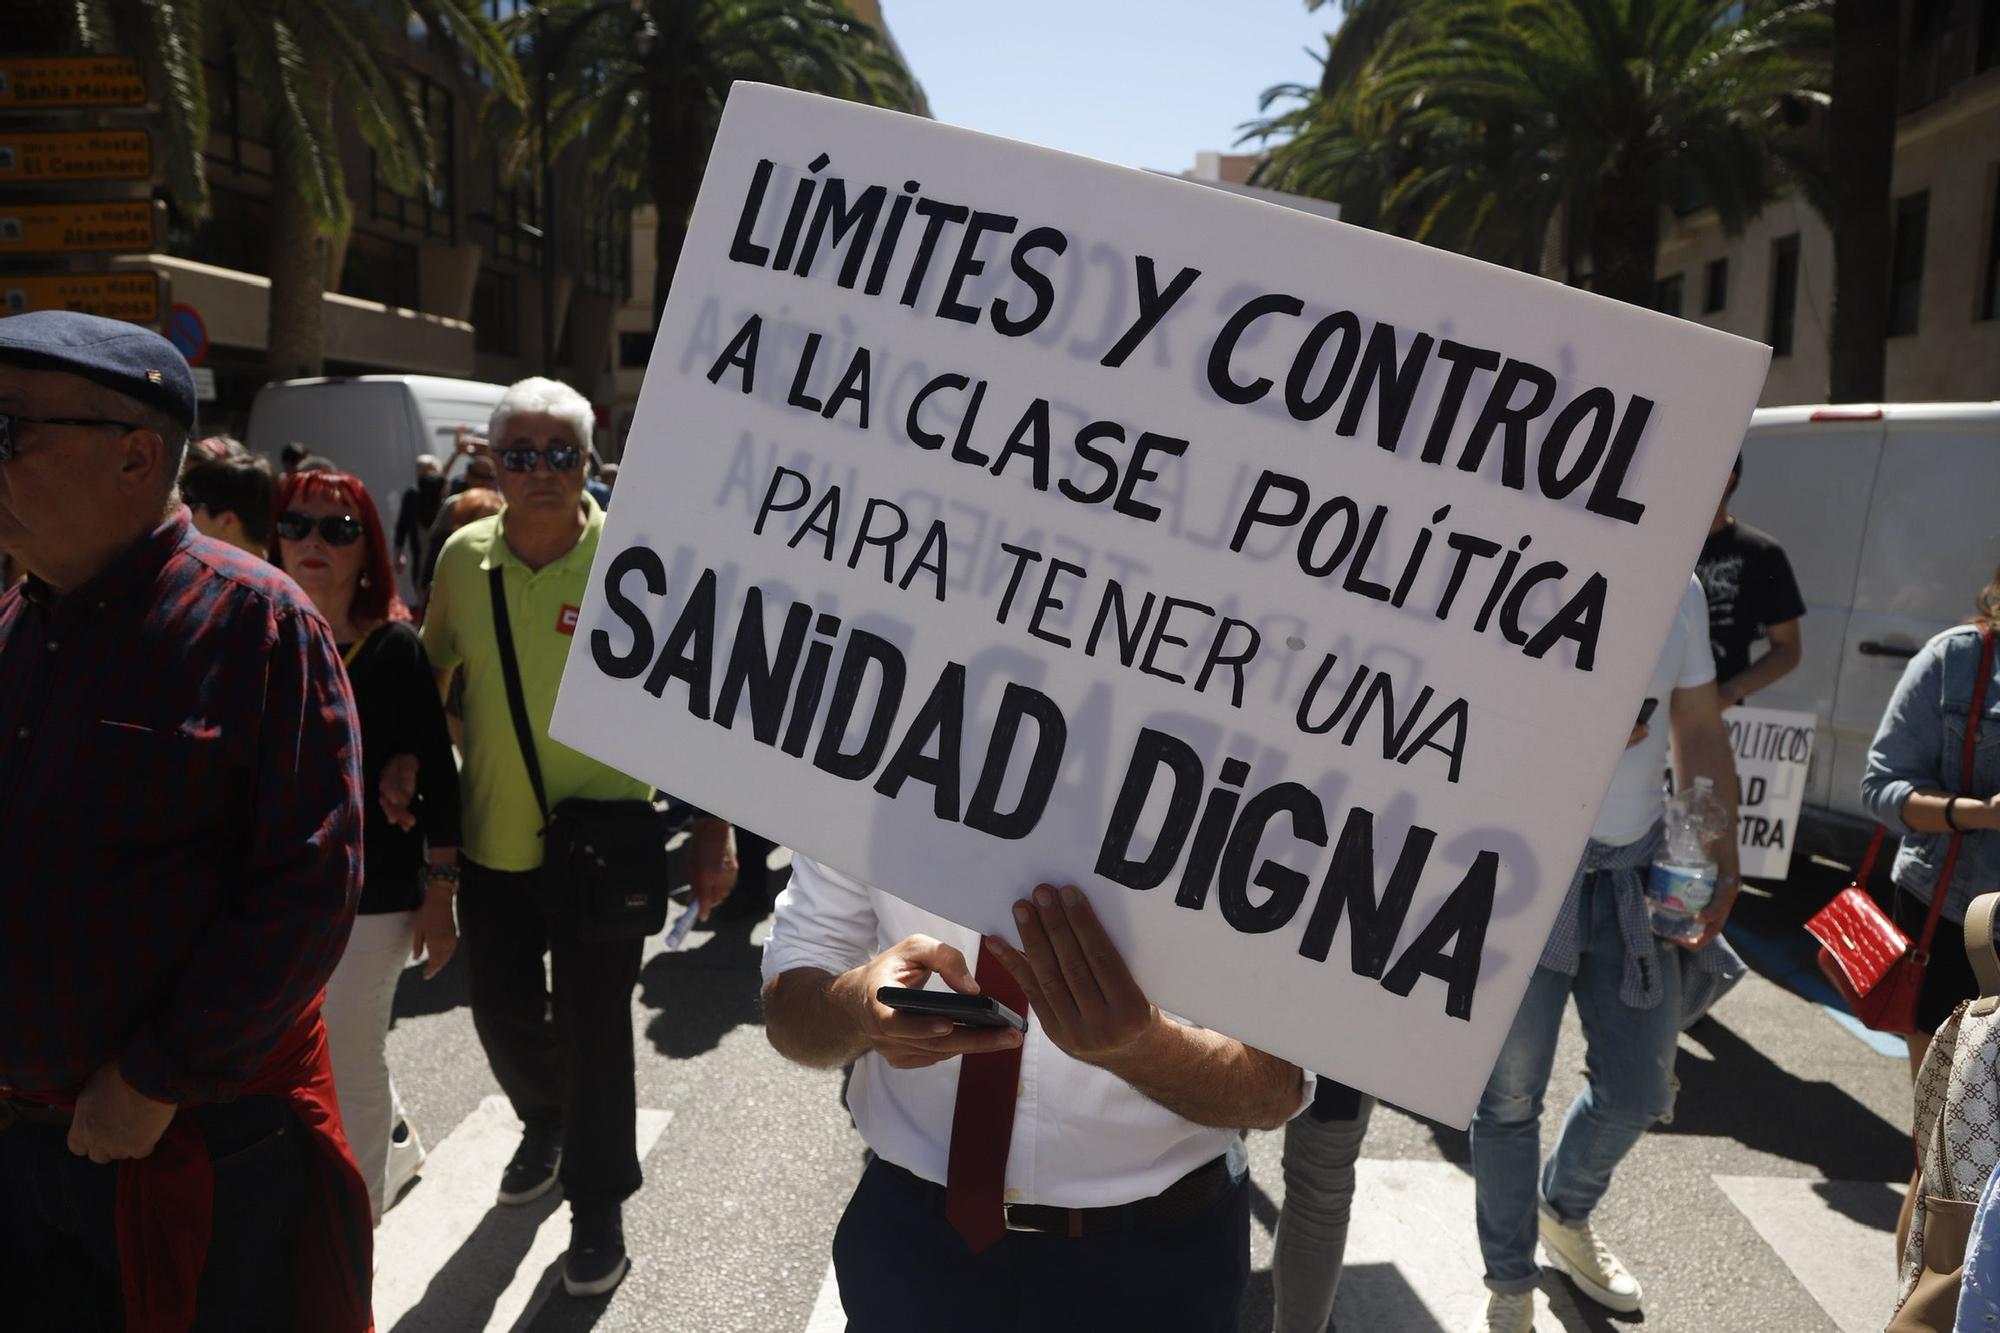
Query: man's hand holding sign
(1090, 1007)
(993, 519)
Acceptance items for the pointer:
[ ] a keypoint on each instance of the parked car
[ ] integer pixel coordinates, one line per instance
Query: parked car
(1891, 517)
(373, 426)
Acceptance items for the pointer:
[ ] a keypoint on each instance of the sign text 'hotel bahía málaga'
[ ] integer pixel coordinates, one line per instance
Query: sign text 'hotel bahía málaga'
(994, 516)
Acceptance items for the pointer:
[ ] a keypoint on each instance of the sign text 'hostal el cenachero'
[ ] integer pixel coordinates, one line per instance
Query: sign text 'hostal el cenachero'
(994, 516)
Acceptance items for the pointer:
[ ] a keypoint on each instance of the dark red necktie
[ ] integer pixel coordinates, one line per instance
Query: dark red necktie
(982, 1122)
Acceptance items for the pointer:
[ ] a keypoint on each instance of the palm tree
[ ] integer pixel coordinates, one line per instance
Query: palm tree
(1861, 138)
(642, 85)
(313, 65)
(1498, 122)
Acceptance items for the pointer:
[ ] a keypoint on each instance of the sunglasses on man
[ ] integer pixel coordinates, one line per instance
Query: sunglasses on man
(9, 420)
(559, 457)
(334, 529)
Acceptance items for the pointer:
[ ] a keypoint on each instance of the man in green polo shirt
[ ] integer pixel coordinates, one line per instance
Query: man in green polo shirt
(567, 1066)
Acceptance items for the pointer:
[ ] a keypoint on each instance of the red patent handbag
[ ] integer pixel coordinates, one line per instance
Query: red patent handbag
(1874, 966)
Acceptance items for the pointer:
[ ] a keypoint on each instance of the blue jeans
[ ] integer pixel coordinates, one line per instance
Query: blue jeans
(1630, 1085)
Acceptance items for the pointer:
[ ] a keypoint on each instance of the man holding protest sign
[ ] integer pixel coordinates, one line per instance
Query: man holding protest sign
(996, 517)
(1090, 1166)
(1627, 984)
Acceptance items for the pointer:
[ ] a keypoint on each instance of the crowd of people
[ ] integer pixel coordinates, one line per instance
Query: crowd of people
(248, 785)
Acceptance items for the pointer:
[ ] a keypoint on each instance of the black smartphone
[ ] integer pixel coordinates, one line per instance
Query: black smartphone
(1646, 712)
(971, 1011)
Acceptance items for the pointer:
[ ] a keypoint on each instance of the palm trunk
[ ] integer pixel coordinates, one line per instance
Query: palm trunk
(667, 241)
(1624, 241)
(676, 154)
(1861, 139)
(296, 332)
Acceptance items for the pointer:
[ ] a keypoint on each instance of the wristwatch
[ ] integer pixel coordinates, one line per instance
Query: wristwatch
(444, 870)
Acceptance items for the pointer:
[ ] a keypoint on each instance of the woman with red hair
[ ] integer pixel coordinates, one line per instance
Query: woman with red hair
(328, 536)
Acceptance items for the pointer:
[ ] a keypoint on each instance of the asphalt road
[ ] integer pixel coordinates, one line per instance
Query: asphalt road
(1764, 1206)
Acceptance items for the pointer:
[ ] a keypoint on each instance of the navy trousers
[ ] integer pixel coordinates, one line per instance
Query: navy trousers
(901, 1266)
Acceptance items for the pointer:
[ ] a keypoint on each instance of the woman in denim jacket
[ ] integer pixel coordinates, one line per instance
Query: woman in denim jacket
(1915, 786)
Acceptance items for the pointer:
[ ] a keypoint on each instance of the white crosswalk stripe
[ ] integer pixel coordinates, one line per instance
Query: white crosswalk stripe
(1403, 1208)
(1814, 1226)
(449, 1258)
(1406, 1208)
(827, 1316)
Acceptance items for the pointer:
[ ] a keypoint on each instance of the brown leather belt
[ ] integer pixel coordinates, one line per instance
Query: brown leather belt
(14, 1111)
(1183, 1201)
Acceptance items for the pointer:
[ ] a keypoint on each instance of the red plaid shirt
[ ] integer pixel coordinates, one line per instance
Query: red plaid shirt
(180, 820)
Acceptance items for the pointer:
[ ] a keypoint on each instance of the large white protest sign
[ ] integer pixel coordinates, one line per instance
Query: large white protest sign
(995, 516)
(1773, 750)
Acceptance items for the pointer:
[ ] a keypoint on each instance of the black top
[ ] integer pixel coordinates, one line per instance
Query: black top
(1750, 588)
(419, 510)
(397, 698)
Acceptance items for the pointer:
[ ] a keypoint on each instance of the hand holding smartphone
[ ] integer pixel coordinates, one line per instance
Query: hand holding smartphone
(972, 1011)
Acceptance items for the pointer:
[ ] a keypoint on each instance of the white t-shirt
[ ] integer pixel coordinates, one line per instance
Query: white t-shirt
(1633, 800)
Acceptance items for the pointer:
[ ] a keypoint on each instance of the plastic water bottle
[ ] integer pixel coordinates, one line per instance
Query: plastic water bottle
(1682, 880)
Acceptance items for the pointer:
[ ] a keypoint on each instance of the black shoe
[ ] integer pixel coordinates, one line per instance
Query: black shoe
(596, 1260)
(532, 1173)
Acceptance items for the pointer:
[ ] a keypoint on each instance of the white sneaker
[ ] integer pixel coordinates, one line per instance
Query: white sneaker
(1577, 1252)
(406, 1159)
(1508, 1312)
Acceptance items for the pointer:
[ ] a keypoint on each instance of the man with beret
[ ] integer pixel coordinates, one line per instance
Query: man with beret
(182, 853)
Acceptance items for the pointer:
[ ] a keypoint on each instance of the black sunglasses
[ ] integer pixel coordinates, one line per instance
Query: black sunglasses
(8, 420)
(560, 458)
(334, 529)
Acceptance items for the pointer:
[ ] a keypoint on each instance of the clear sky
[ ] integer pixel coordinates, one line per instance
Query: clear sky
(1143, 83)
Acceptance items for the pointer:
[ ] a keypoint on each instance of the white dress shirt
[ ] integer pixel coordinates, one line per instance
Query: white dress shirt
(1632, 802)
(1082, 1138)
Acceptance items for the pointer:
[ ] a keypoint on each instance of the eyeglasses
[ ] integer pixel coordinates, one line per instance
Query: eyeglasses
(8, 420)
(559, 457)
(334, 529)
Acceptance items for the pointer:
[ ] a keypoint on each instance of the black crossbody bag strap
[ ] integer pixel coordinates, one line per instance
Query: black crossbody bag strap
(517, 702)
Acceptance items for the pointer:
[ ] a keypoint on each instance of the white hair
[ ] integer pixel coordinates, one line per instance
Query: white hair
(539, 396)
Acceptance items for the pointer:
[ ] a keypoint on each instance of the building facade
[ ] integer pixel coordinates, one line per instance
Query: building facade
(1774, 283)
(447, 281)
(635, 320)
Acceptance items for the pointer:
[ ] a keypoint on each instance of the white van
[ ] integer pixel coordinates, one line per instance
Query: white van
(373, 426)
(1891, 517)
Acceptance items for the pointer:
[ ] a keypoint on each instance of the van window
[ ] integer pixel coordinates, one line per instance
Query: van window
(1931, 540)
(1807, 485)
(1906, 263)
(1784, 294)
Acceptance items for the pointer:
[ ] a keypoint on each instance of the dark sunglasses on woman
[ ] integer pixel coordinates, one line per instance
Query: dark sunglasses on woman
(334, 529)
(559, 457)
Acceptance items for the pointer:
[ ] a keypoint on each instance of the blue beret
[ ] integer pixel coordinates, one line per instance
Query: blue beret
(134, 361)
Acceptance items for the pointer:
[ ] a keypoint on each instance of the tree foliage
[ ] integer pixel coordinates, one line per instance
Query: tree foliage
(309, 65)
(641, 86)
(1498, 127)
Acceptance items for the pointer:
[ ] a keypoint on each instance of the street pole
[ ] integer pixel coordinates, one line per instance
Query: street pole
(544, 64)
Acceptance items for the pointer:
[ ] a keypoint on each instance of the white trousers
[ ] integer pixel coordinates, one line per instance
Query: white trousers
(359, 997)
